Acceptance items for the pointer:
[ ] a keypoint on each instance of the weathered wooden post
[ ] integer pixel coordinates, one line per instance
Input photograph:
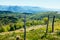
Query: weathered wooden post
(53, 23)
(25, 24)
(47, 24)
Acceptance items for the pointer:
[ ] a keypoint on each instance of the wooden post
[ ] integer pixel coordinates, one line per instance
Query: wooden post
(25, 24)
(47, 24)
(25, 27)
(53, 23)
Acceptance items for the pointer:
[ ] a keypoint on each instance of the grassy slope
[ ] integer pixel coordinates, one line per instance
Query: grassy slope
(35, 34)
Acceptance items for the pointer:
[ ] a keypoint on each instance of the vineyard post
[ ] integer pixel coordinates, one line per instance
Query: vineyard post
(47, 24)
(25, 27)
(25, 14)
(53, 23)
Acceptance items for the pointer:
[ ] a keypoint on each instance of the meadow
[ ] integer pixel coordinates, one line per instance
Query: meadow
(11, 24)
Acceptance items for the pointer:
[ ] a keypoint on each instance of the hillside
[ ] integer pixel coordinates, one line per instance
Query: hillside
(28, 9)
(12, 25)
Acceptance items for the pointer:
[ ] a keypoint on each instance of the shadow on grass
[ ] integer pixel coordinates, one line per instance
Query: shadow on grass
(43, 36)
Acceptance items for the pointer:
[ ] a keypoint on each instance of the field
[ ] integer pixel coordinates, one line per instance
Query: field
(33, 34)
(11, 26)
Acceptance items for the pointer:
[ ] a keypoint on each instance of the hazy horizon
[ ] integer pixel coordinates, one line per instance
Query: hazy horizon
(38, 3)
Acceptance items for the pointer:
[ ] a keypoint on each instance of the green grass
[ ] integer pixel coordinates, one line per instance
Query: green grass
(36, 34)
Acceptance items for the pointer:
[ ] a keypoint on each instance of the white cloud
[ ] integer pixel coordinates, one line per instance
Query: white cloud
(41, 3)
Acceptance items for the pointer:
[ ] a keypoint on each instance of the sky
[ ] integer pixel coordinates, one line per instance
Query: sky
(39, 3)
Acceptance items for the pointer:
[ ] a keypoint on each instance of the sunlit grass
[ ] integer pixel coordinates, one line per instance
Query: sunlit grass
(36, 34)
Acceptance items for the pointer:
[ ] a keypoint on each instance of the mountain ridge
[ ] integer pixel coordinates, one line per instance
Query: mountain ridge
(21, 9)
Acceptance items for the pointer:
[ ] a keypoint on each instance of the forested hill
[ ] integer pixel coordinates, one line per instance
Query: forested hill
(33, 15)
(28, 9)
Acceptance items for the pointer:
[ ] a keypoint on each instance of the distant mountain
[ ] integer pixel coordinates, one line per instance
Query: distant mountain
(28, 9)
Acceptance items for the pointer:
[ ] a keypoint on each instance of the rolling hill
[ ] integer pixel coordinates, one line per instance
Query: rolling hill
(28, 9)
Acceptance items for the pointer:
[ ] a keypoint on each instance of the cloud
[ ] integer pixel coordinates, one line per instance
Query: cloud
(39, 3)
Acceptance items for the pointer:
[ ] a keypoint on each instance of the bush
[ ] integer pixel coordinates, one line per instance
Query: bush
(12, 27)
(19, 25)
(58, 33)
(40, 22)
(34, 22)
(28, 23)
(16, 26)
(8, 27)
(45, 20)
(3, 29)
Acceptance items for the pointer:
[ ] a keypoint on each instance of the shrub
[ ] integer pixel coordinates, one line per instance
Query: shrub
(40, 22)
(45, 20)
(34, 22)
(28, 23)
(16, 26)
(12, 27)
(58, 32)
(3, 29)
(8, 27)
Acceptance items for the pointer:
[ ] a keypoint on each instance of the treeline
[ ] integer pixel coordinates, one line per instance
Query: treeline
(41, 15)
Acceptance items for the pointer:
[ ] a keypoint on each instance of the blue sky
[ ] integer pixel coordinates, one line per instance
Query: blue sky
(40, 3)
